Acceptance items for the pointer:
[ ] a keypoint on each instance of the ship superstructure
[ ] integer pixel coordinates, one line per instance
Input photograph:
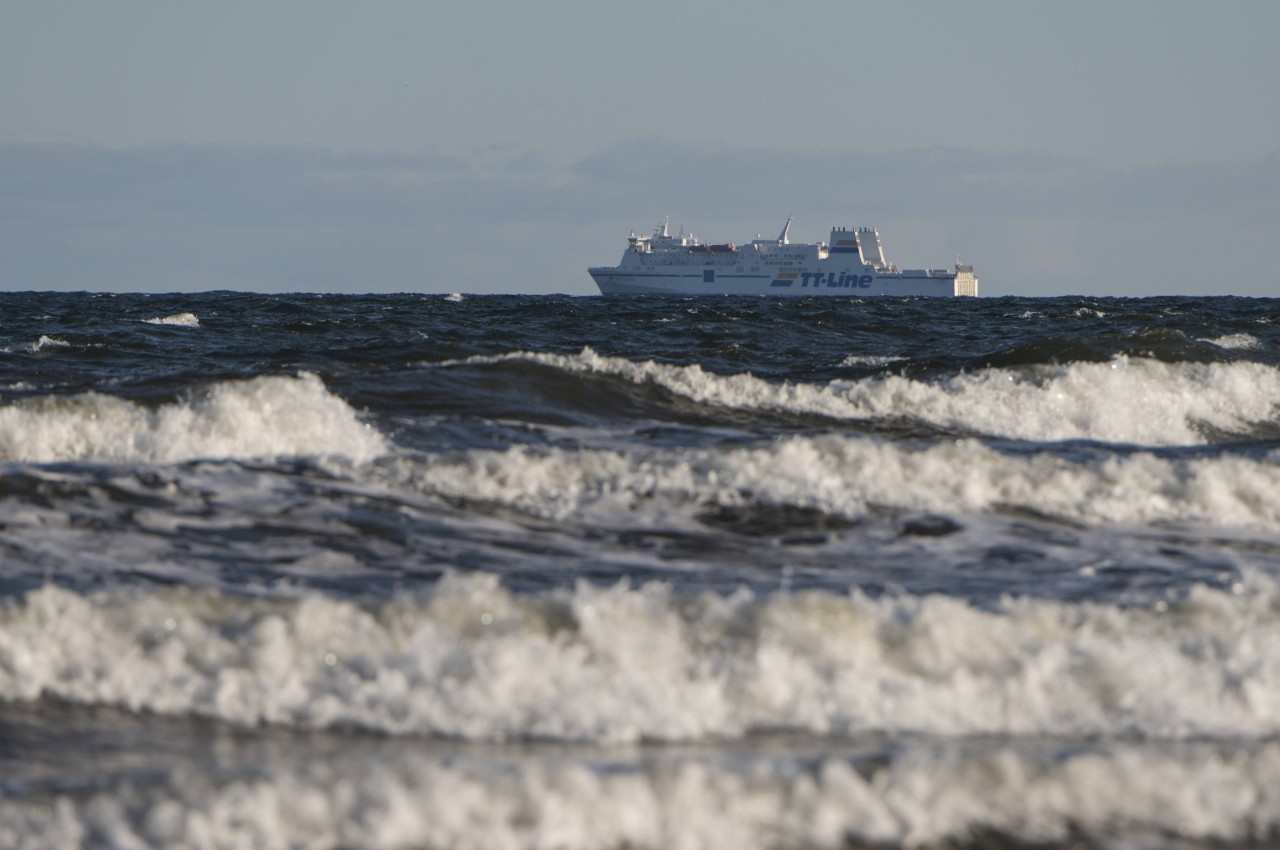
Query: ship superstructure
(851, 263)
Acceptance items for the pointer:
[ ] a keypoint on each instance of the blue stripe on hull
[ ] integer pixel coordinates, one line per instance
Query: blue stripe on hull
(646, 283)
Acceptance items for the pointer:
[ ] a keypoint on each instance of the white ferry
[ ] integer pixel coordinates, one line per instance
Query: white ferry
(852, 263)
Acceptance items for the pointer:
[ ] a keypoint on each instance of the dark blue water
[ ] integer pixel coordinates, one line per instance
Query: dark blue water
(534, 571)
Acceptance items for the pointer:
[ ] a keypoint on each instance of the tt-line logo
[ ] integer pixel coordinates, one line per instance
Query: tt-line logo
(827, 279)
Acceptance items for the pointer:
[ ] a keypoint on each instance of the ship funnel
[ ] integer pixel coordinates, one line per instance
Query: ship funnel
(782, 237)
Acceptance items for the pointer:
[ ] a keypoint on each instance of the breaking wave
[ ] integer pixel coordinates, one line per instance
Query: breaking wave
(46, 343)
(266, 416)
(186, 320)
(1127, 400)
(1237, 341)
(851, 476)
(619, 664)
(917, 797)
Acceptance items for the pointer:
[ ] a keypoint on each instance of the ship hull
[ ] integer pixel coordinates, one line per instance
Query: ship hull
(612, 281)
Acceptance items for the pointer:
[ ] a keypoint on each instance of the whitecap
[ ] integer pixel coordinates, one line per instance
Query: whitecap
(262, 417)
(186, 320)
(1127, 400)
(852, 477)
(1236, 341)
(910, 795)
(47, 342)
(869, 360)
(621, 664)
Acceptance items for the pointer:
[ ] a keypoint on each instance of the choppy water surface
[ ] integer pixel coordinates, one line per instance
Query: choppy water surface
(411, 571)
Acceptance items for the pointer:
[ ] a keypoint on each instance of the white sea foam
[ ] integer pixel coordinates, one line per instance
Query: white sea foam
(869, 360)
(186, 320)
(1239, 341)
(1131, 798)
(267, 416)
(851, 476)
(1127, 400)
(453, 296)
(47, 342)
(612, 665)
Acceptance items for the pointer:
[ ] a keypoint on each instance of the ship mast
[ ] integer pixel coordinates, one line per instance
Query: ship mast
(782, 237)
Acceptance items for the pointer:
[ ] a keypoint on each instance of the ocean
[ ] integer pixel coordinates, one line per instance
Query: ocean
(422, 571)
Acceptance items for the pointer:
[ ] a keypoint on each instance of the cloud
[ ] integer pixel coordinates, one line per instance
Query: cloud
(276, 218)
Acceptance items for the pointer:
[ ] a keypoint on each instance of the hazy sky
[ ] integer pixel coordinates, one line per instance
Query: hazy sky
(1083, 147)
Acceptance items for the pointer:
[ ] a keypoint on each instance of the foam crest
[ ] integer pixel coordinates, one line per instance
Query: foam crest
(618, 664)
(46, 343)
(1237, 341)
(873, 360)
(917, 797)
(1127, 400)
(849, 476)
(185, 320)
(262, 417)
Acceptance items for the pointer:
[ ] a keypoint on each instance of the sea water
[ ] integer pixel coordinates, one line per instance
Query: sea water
(542, 572)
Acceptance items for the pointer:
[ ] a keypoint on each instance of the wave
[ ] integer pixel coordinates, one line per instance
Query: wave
(620, 664)
(915, 797)
(871, 360)
(852, 477)
(266, 416)
(1236, 341)
(186, 320)
(47, 343)
(1126, 400)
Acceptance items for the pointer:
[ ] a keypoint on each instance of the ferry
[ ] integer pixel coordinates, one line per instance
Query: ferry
(852, 263)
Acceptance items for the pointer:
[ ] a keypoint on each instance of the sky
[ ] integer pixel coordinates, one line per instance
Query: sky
(1127, 147)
